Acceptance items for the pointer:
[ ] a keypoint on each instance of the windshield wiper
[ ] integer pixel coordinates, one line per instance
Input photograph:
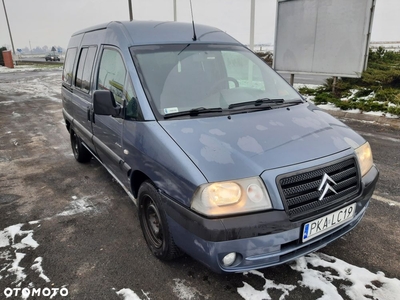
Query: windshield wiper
(257, 102)
(193, 112)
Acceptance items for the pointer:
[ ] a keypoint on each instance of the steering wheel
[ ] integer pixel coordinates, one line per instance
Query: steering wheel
(216, 85)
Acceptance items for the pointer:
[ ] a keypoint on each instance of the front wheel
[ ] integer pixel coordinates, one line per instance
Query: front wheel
(153, 222)
(81, 154)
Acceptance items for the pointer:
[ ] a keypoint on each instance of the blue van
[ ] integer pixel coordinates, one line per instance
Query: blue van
(224, 159)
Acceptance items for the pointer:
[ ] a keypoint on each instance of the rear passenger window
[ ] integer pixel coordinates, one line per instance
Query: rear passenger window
(81, 64)
(85, 66)
(112, 74)
(69, 65)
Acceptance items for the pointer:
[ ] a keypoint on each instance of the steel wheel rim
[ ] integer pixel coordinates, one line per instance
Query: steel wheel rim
(152, 222)
(75, 147)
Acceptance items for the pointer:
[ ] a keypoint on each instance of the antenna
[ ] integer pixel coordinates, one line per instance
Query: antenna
(194, 30)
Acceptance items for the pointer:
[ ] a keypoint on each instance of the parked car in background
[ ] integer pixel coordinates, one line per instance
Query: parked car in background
(224, 159)
(52, 57)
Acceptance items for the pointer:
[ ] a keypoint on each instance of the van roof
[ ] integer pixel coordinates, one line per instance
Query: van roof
(157, 32)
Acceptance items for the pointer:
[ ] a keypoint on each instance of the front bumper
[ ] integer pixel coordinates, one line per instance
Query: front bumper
(260, 240)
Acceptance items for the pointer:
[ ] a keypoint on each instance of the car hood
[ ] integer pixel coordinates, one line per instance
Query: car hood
(244, 145)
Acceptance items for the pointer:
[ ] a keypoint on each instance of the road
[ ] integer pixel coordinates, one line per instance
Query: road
(70, 225)
(37, 59)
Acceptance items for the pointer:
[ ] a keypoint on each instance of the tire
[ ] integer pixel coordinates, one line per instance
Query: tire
(81, 154)
(153, 222)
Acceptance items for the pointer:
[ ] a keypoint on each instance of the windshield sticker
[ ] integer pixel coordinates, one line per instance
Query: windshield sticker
(170, 110)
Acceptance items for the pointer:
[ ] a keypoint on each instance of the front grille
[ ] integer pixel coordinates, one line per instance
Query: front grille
(300, 194)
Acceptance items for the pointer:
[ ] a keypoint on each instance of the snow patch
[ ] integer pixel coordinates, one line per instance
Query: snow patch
(184, 292)
(16, 269)
(17, 69)
(354, 111)
(248, 292)
(391, 116)
(374, 113)
(7, 102)
(37, 267)
(13, 252)
(78, 206)
(128, 294)
(4, 241)
(12, 231)
(320, 272)
(363, 282)
(28, 89)
(381, 114)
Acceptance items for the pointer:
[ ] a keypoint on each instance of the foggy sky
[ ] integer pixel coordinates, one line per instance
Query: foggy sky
(51, 22)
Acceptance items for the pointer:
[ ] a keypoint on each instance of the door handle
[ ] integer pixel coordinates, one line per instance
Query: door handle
(90, 115)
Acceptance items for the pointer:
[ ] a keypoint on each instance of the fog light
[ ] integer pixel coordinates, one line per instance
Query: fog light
(229, 259)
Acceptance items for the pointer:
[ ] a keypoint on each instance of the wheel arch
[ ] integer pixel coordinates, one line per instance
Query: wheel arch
(137, 178)
(68, 125)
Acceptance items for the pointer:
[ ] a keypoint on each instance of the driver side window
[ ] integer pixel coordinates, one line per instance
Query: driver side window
(112, 74)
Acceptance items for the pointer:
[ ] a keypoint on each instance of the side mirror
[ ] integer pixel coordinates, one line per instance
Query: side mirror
(104, 104)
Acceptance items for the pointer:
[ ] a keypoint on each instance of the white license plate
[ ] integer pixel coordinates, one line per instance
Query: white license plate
(319, 226)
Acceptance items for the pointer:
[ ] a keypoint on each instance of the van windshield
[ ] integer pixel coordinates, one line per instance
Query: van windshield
(180, 78)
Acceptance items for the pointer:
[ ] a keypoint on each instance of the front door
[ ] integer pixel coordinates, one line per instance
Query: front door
(107, 130)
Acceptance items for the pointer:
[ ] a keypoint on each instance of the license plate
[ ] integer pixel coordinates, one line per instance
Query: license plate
(319, 226)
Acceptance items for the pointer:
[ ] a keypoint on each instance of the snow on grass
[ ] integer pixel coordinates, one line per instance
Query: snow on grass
(328, 106)
(331, 106)
(354, 111)
(380, 114)
(391, 116)
(297, 86)
(374, 113)
(320, 272)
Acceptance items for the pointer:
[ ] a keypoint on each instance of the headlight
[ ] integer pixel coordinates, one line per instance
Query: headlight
(364, 156)
(231, 197)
